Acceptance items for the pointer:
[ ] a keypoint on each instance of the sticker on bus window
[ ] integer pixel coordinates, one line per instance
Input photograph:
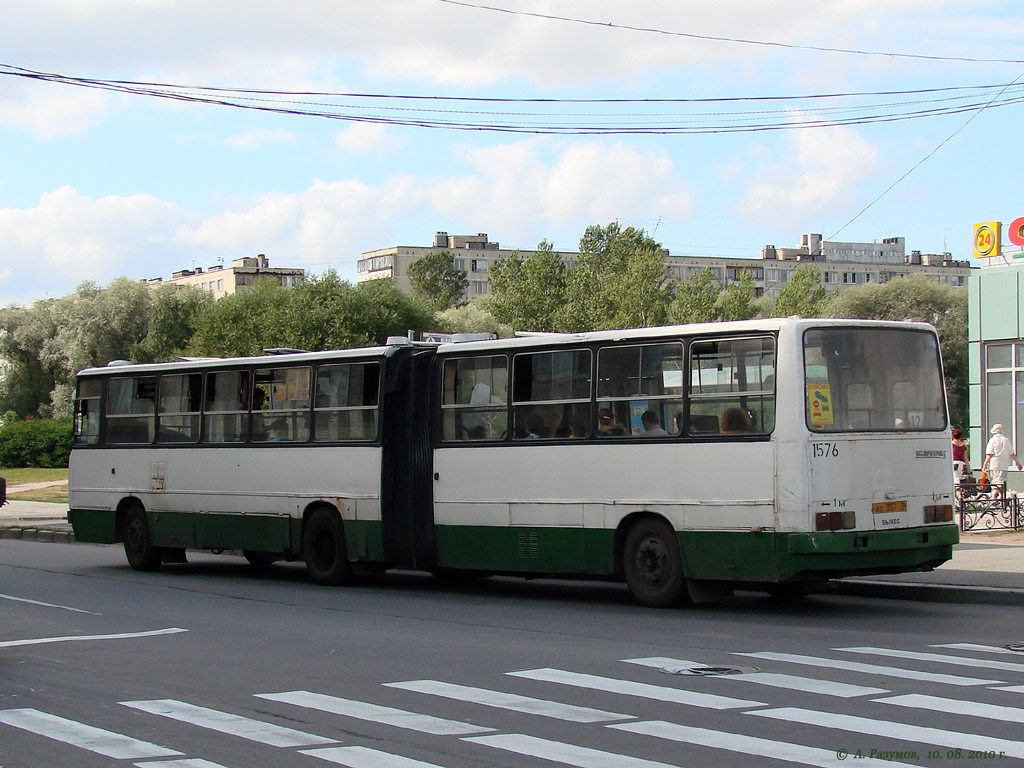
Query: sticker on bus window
(819, 404)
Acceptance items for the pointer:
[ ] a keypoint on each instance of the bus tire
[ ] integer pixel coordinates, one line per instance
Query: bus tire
(653, 564)
(323, 546)
(138, 547)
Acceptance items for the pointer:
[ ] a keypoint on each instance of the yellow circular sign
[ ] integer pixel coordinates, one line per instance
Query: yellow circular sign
(984, 240)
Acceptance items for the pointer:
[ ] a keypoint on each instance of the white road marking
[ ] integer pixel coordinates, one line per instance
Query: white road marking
(364, 757)
(78, 638)
(361, 710)
(982, 648)
(957, 707)
(941, 658)
(510, 701)
(47, 605)
(630, 688)
(194, 762)
(559, 752)
(87, 737)
(904, 732)
(870, 669)
(225, 722)
(751, 745)
(789, 682)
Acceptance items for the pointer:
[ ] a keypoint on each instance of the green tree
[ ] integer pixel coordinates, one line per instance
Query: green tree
(475, 316)
(918, 298)
(696, 300)
(173, 319)
(618, 281)
(803, 295)
(738, 300)
(243, 323)
(435, 278)
(529, 294)
(375, 310)
(26, 379)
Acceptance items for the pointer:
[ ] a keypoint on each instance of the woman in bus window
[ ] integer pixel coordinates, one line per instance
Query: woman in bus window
(735, 422)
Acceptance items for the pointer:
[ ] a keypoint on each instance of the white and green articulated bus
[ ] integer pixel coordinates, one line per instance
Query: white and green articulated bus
(686, 460)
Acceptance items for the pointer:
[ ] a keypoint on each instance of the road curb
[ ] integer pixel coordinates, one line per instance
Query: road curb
(38, 534)
(926, 593)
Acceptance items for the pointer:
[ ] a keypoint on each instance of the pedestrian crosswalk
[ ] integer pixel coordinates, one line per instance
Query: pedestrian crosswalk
(913, 709)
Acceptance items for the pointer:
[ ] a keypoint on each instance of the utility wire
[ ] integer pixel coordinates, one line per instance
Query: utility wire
(921, 162)
(377, 109)
(717, 39)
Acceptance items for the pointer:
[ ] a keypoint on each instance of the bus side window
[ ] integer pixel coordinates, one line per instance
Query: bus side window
(551, 394)
(639, 390)
(87, 412)
(226, 406)
(280, 405)
(345, 404)
(131, 410)
(474, 397)
(732, 386)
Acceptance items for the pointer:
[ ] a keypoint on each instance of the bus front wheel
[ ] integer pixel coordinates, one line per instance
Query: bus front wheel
(138, 548)
(653, 564)
(323, 545)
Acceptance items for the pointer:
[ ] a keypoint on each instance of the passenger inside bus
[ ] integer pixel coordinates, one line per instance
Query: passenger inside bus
(735, 421)
(606, 424)
(652, 426)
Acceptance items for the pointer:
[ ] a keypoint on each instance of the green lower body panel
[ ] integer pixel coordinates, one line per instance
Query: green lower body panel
(263, 533)
(94, 526)
(737, 556)
(571, 551)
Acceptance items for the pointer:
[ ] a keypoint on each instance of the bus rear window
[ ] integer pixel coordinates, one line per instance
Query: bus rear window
(873, 380)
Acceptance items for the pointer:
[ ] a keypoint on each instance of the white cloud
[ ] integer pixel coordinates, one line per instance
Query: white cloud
(818, 174)
(511, 189)
(68, 238)
(590, 182)
(368, 137)
(48, 111)
(259, 137)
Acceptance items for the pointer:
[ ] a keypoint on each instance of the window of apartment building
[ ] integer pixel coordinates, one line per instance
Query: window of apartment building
(460, 264)
(479, 265)
(479, 287)
(831, 278)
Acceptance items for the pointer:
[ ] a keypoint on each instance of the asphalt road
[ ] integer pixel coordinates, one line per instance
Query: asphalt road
(217, 664)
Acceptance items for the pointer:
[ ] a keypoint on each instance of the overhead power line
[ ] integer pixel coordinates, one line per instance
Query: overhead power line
(689, 116)
(722, 39)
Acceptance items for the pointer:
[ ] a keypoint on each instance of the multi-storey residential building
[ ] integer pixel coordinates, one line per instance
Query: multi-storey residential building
(242, 274)
(842, 265)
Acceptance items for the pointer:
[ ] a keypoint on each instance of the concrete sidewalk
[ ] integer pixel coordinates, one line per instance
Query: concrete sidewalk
(987, 567)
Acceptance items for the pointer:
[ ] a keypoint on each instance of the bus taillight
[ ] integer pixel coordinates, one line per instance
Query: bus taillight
(835, 521)
(938, 513)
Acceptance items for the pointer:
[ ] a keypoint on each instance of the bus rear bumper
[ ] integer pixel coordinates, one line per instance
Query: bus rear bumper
(864, 553)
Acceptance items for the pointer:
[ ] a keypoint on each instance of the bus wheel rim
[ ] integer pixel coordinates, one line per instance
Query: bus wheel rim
(652, 559)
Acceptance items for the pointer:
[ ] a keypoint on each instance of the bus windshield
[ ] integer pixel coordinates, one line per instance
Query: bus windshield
(873, 380)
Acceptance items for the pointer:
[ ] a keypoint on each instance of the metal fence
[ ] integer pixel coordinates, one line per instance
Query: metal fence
(990, 511)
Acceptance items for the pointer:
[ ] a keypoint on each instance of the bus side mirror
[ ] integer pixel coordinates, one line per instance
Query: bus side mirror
(3, 491)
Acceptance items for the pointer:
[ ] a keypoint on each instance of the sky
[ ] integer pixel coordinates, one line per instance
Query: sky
(640, 113)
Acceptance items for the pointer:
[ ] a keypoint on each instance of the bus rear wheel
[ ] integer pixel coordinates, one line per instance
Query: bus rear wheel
(138, 548)
(323, 546)
(653, 564)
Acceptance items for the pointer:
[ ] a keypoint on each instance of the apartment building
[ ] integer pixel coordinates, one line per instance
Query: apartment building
(243, 273)
(842, 265)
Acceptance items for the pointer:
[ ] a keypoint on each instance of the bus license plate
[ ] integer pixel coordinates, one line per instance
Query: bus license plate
(888, 507)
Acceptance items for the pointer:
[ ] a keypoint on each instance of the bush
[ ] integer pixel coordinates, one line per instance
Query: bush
(37, 443)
